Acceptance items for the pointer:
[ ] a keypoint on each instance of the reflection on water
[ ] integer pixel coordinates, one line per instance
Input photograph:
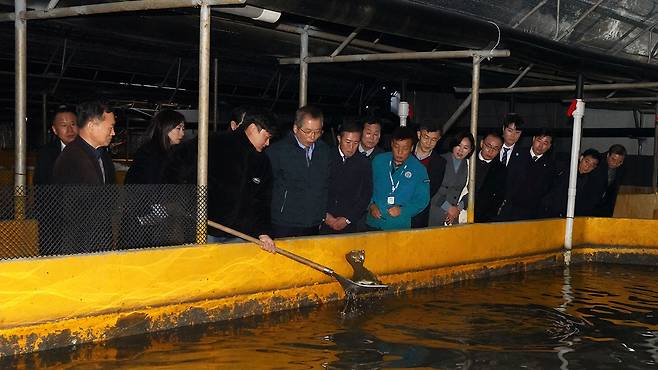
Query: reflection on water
(592, 316)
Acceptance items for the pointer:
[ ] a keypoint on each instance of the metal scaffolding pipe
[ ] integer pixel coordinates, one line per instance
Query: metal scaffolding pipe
(303, 68)
(346, 42)
(338, 38)
(654, 184)
(454, 54)
(215, 113)
(621, 99)
(563, 88)
(116, 7)
(44, 117)
(475, 105)
(455, 116)
(20, 66)
(204, 92)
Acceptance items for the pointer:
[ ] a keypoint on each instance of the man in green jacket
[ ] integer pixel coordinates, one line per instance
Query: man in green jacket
(300, 166)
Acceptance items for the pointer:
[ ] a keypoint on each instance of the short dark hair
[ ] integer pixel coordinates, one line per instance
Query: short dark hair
(457, 140)
(403, 133)
(544, 132)
(591, 152)
(237, 114)
(514, 118)
(91, 110)
(63, 109)
(617, 149)
(371, 121)
(430, 127)
(260, 117)
(493, 134)
(163, 122)
(308, 111)
(349, 127)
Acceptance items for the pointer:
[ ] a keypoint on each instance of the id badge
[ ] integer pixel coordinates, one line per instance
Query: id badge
(390, 200)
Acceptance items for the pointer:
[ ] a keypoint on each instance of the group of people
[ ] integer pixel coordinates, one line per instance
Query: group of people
(301, 186)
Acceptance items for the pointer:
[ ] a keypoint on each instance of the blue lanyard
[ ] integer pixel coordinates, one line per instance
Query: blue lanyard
(394, 186)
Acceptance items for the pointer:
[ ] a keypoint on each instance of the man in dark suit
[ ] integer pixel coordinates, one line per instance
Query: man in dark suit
(87, 211)
(531, 179)
(555, 202)
(512, 129)
(85, 160)
(65, 129)
(372, 132)
(350, 184)
(608, 177)
(428, 136)
(489, 178)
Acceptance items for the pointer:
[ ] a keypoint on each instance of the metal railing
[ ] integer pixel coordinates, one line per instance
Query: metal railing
(72, 219)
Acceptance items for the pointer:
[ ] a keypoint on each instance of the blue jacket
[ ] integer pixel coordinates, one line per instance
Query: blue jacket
(412, 192)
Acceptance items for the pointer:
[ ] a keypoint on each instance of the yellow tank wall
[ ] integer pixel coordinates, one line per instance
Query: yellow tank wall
(58, 301)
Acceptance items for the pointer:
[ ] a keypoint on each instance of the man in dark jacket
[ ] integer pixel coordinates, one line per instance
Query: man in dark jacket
(608, 177)
(350, 184)
(85, 160)
(555, 202)
(239, 177)
(370, 135)
(428, 137)
(489, 178)
(65, 129)
(87, 211)
(300, 166)
(531, 178)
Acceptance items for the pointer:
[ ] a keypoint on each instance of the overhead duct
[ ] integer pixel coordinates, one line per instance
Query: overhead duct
(253, 12)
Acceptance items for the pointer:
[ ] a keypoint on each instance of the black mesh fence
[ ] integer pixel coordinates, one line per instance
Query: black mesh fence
(70, 219)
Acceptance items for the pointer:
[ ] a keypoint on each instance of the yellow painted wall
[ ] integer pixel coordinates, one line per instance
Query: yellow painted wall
(65, 287)
(94, 297)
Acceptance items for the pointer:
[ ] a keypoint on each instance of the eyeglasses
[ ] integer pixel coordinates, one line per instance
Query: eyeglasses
(308, 132)
(491, 147)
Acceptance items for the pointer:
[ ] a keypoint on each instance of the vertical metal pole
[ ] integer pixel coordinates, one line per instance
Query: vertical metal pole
(44, 117)
(204, 92)
(215, 118)
(573, 168)
(20, 66)
(303, 67)
(654, 185)
(475, 106)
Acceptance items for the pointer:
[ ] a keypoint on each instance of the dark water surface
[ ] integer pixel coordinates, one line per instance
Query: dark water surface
(590, 317)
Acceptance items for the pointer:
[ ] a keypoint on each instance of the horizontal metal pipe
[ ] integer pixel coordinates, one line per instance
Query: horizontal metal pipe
(338, 38)
(562, 88)
(453, 54)
(115, 7)
(619, 99)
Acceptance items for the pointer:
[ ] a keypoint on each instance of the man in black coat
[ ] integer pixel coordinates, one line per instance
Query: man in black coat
(370, 135)
(555, 202)
(428, 136)
(65, 129)
(608, 177)
(239, 177)
(87, 211)
(300, 166)
(350, 184)
(529, 180)
(85, 160)
(489, 178)
(512, 129)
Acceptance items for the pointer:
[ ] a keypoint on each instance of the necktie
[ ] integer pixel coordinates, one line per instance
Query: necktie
(534, 158)
(307, 153)
(504, 159)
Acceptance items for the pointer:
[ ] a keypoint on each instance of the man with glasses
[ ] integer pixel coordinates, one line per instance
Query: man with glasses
(489, 179)
(300, 166)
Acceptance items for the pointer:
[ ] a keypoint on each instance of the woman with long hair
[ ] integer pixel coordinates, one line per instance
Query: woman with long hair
(166, 130)
(447, 203)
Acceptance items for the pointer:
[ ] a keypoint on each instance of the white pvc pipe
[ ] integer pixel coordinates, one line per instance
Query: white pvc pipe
(204, 102)
(573, 177)
(20, 67)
